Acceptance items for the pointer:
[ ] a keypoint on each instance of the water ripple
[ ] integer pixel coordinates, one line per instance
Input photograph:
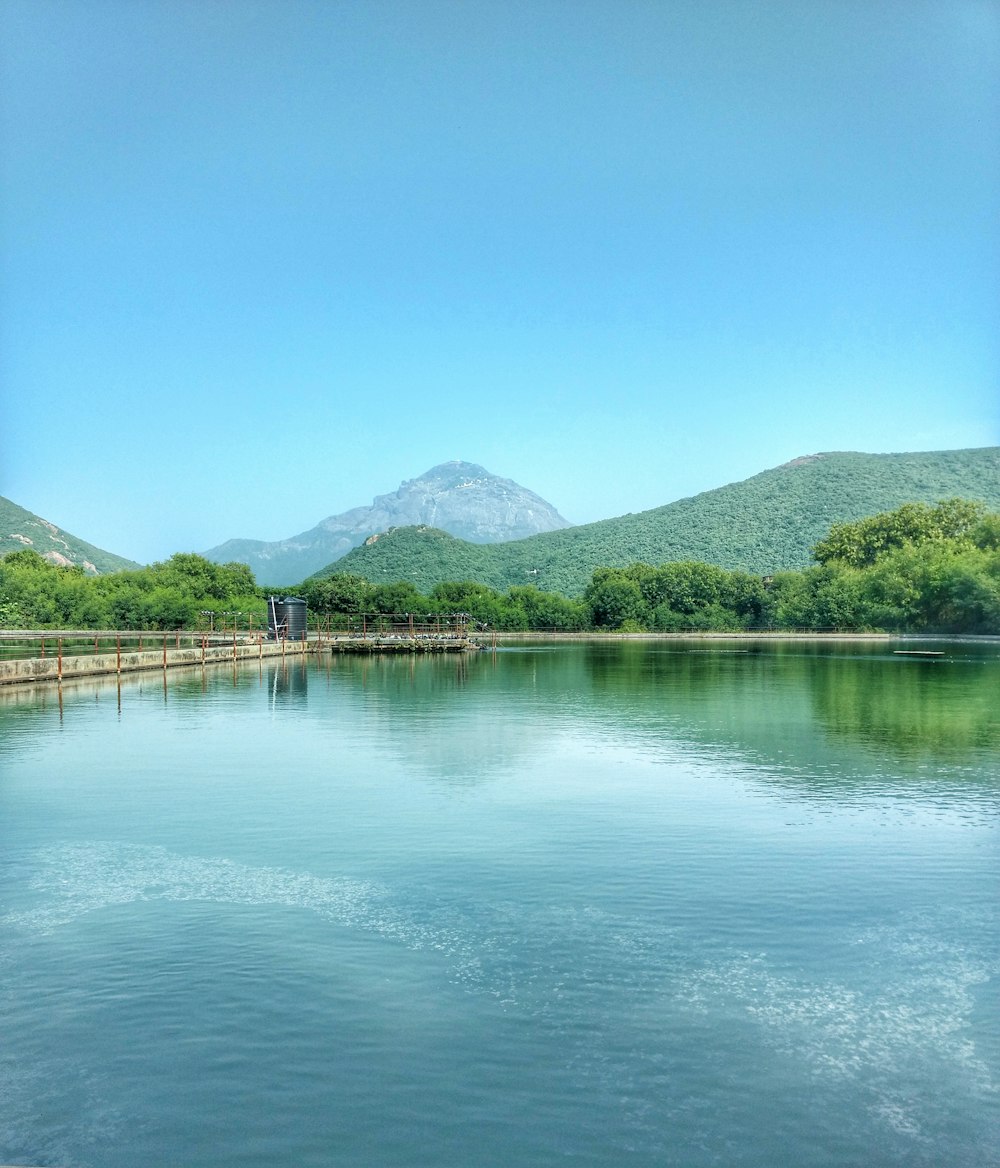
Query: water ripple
(894, 1027)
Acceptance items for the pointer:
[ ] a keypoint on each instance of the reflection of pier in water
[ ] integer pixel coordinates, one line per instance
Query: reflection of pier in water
(287, 682)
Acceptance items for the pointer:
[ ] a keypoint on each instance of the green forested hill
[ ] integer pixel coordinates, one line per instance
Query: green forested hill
(20, 529)
(761, 525)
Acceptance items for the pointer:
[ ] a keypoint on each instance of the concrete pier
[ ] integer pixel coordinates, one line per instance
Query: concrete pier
(56, 667)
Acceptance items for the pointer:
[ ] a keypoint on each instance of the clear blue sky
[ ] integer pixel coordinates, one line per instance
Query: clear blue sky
(263, 259)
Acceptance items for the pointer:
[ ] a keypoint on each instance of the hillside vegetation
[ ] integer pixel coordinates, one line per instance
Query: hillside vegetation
(184, 592)
(20, 530)
(762, 525)
(915, 569)
(919, 568)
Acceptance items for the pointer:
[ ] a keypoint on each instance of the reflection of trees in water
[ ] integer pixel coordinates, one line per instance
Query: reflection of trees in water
(788, 703)
(942, 709)
(752, 702)
(795, 708)
(471, 719)
(439, 713)
(789, 706)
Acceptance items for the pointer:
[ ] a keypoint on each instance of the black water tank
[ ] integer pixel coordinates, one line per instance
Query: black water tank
(286, 618)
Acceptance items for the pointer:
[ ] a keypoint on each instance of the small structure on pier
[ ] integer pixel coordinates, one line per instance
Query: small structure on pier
(402, 626)
(286, 618)
(402, 632)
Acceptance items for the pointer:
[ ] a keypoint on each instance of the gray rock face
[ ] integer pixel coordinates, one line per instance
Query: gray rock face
(458, 497)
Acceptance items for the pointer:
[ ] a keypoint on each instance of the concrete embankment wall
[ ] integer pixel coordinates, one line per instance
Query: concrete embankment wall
(129, 661)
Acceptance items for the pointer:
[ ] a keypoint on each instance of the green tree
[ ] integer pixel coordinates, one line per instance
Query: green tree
(238, 579)
(615, 599)
(986, 533)
(482, 603)
(337, 594)
(399, 597)
(195, 576)
(548, 610)
(166, 608)
(789, 601)
(860, 544)
(26, 558)
(948, 588)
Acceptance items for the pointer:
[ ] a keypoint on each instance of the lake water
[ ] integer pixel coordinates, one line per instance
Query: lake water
(671, 903)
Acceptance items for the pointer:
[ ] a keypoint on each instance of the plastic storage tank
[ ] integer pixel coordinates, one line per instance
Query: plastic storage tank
(286, 617)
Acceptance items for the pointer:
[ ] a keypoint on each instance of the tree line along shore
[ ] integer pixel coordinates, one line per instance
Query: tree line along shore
(920, 568)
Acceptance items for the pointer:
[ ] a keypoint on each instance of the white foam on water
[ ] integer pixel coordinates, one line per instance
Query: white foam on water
(904, 1039)
(74, 880)
(77, 879)
(549, 962)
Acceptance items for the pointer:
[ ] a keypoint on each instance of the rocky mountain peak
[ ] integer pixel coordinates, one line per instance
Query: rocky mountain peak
(462, 498)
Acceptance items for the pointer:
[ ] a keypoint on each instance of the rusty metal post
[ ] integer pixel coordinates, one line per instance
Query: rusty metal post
(59, 647)
(43, 648)
(203, 648)
(164, 652)
(118, 651)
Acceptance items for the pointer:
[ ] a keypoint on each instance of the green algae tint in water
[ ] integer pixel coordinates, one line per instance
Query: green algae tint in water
(655, 904)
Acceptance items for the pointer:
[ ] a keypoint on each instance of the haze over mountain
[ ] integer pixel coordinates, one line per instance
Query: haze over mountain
(461, 498)
(20, 529)
(762, 524)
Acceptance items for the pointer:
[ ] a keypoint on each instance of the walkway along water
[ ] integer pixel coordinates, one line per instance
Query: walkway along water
(56, 666)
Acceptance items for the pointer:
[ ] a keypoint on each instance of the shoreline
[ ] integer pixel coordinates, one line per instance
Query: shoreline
(59, 668)
(483, 639)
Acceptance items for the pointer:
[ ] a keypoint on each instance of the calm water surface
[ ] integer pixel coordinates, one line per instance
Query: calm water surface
(643, 904)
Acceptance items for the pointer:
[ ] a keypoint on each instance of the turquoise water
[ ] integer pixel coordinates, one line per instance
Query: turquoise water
(646, 904)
